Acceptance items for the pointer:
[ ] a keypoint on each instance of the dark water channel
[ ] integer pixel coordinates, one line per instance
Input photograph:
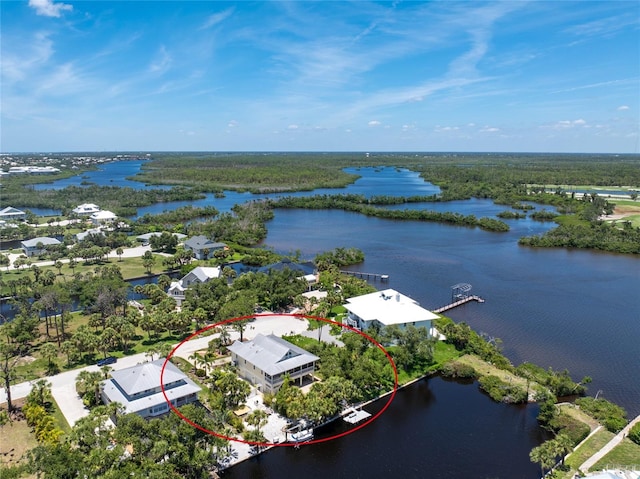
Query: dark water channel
(433, 429)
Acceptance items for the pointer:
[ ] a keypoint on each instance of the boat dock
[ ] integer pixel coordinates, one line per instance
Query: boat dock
(359, 274)
(354, 416)
(460, 302)
(459, 296)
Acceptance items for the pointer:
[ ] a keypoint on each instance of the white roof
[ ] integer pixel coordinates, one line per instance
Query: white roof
(388, 307)
(103, 215)
(86, 208)
(10, 210)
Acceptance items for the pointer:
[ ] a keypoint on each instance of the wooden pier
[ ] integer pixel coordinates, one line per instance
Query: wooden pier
(459, 302)
(353, 416)
(359, 274)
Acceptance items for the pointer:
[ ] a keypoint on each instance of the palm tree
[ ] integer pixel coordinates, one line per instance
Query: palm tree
(49, 352)
(40, 393)
(89, 382)
(544, 455)
(563, 445)
(70, 350)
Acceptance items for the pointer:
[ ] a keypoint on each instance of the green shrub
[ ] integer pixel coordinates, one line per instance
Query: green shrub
(500, 391)
(564, 424)
(610, 415)
(634, 433)
(455, 369)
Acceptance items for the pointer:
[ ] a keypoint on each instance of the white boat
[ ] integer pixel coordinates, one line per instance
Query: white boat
(301, 436)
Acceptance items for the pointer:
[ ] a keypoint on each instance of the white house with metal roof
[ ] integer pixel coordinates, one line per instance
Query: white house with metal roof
(386, 308)
(37, 246)
(201, 274)
(139, 390)
(12, 214)
(86, 209)
(103, 217)
(266, 360)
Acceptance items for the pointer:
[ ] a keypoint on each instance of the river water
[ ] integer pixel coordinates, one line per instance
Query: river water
(557, 308)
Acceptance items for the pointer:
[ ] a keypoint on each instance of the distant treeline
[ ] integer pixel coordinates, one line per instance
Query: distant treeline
(362, 205)
(122, 201)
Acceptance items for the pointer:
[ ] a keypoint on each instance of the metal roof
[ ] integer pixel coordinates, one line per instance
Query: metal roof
(272, 354)
(389, 307)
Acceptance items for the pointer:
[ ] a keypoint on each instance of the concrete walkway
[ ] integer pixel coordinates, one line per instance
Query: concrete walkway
(617, 439)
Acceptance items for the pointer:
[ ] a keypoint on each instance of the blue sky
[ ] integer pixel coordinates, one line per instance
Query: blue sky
(539, 76)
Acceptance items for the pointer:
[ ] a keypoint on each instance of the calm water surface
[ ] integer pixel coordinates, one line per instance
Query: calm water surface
(434, 429)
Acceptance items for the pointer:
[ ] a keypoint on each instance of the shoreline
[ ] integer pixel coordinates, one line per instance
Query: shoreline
(342, 414)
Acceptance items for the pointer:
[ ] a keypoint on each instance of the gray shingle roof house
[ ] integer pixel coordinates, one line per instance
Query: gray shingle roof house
(266, 360)
(138, 388)
(30, 247)
(145, 238)
(201, 274)
(198, 244)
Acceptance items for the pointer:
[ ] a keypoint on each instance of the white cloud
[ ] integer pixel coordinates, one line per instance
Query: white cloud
(47, 8)
(566, 124)
(488, 129)
(622, 108)
(216, 18)
(232, 124)
(293, 127)
(374, 123)
(441, 129)
(162, 63)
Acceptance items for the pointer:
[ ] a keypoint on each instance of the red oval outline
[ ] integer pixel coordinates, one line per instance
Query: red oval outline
(289, 444)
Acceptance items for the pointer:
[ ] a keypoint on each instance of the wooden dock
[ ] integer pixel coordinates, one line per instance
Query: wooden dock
(354, 416)
(359, 274)
(460, 302)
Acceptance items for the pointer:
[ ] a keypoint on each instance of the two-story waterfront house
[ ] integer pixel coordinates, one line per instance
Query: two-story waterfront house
(138, 388)
(266, 360)
(386, 308)
(201, 274)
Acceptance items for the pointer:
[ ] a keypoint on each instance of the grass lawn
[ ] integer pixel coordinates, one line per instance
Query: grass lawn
(588, 449)
(485, 369)
(444, 352)
(130, 268)
(627, 453)
(17, 439)
(577, 414)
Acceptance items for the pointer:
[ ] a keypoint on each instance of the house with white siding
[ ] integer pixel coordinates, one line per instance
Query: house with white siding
(138, 388)
(86, 209)
(201, 274)
(12, 214)
(386, 308)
